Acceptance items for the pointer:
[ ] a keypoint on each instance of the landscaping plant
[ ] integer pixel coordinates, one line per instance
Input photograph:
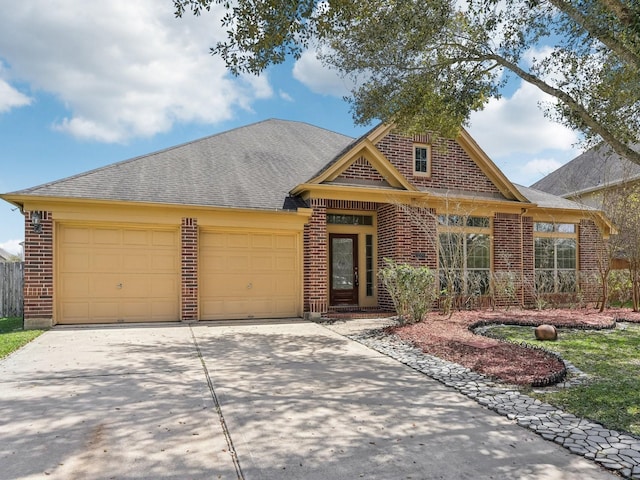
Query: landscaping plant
(412, 289)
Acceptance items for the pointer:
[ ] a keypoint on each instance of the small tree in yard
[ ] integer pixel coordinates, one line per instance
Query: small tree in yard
(412, 289)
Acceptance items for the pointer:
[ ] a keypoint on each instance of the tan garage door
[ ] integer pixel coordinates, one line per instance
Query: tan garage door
(248, 275)
(115, 274)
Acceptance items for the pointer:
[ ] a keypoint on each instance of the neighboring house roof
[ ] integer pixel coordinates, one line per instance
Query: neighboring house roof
(249, 167)
(4, 255)
(597, 168)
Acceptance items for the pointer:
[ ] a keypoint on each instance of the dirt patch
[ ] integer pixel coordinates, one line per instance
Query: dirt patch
(450, 338)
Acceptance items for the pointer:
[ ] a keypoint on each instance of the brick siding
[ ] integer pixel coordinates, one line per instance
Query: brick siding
(448, 163)
(591, 251)
(189, 269)
(507, 251)
(361, 169)
(38, 269)
(315, 259)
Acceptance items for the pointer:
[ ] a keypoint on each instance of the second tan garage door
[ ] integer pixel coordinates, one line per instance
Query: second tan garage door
(249, 275)
(111, 274)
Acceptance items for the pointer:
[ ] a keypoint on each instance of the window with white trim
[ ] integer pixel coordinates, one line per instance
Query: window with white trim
(422, 159)
(464, 258)
(556, 257)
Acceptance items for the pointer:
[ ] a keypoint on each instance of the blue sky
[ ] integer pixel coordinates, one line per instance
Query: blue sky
(85, 84)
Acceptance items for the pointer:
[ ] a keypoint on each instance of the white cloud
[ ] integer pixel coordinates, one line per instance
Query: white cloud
(123, 69)
(319, 78)
(12, 246)
(517, 125)
(285, 96)
(532, 170)
(11, 97)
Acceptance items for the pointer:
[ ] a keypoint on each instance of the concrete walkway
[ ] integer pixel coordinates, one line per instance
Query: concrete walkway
(271, 401)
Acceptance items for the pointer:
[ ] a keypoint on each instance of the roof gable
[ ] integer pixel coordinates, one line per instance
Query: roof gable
(363, 161)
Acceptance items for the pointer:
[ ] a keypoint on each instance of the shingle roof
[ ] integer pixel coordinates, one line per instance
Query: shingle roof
(548, 200)
(249, 167)
(598, 167)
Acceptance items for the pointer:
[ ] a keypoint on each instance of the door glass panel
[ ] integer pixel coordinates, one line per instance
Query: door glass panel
(342, 264)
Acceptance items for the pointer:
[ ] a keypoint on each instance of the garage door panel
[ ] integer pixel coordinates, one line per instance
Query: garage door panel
(285, 242)
(164, 262)
(107, 236)
(248, 275)
(262, 241)
(76, 235)
(104, 261)
(285, 263)
(167, 239)
(163, 286)
(76, 261)
(117, 274)
(262, 263)
(234, 263)
(138, 238)
(136, 263)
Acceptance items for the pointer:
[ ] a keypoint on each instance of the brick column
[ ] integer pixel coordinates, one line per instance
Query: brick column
(189, 270)
(591, 251)
(38, 272)
(528, 262)
(507, 254)
(316, 279)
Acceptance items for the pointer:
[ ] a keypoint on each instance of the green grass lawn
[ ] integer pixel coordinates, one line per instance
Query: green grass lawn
(612, 358)
(12, 336)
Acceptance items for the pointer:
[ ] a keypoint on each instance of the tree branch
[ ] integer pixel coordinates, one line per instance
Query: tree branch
(599, 31)
(618, 146)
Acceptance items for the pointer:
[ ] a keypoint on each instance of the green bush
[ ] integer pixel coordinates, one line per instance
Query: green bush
(620, 288)
(413, 290)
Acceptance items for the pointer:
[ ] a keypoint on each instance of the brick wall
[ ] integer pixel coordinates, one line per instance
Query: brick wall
(507, 252)
(361, 169)
(38, 272)
(591, 253)
(528, 261)
(315, 260)
(405, 235)
(189, 269)
(451, 167)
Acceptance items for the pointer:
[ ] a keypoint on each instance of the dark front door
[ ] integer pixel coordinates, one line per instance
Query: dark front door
(343, 260)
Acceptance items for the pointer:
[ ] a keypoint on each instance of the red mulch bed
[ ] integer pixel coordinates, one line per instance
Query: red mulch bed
(450, 339)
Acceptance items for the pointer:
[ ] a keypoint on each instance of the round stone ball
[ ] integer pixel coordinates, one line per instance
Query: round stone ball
(546, 332)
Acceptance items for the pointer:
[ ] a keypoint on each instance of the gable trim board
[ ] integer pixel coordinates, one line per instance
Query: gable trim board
(261, 251)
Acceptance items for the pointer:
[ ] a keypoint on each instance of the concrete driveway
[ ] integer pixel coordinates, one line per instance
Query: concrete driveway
(271, 401)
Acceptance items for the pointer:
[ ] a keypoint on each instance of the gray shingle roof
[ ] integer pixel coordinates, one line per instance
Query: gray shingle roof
(249, 167)
(595, 168)
(548, 200)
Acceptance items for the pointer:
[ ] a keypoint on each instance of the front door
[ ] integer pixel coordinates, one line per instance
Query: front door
(343, 260)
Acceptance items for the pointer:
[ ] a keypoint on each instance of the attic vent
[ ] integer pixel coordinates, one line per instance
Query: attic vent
(361, 161)
(422, 138)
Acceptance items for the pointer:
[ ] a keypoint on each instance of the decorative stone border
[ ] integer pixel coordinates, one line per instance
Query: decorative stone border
(611, 449)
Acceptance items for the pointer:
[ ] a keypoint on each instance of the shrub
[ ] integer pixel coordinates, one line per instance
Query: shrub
(412, 289)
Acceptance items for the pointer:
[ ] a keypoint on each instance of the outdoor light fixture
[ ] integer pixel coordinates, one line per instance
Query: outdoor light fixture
(36, 222)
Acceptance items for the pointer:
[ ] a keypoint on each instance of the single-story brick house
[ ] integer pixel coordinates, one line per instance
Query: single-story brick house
(284, 219)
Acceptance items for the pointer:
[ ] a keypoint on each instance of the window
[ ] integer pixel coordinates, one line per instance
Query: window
(422, 159)
(340, 219)
(464, 259)
(555, 257)
(369, 264)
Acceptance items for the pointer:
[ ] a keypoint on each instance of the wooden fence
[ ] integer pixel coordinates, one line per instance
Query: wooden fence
(11, 281)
